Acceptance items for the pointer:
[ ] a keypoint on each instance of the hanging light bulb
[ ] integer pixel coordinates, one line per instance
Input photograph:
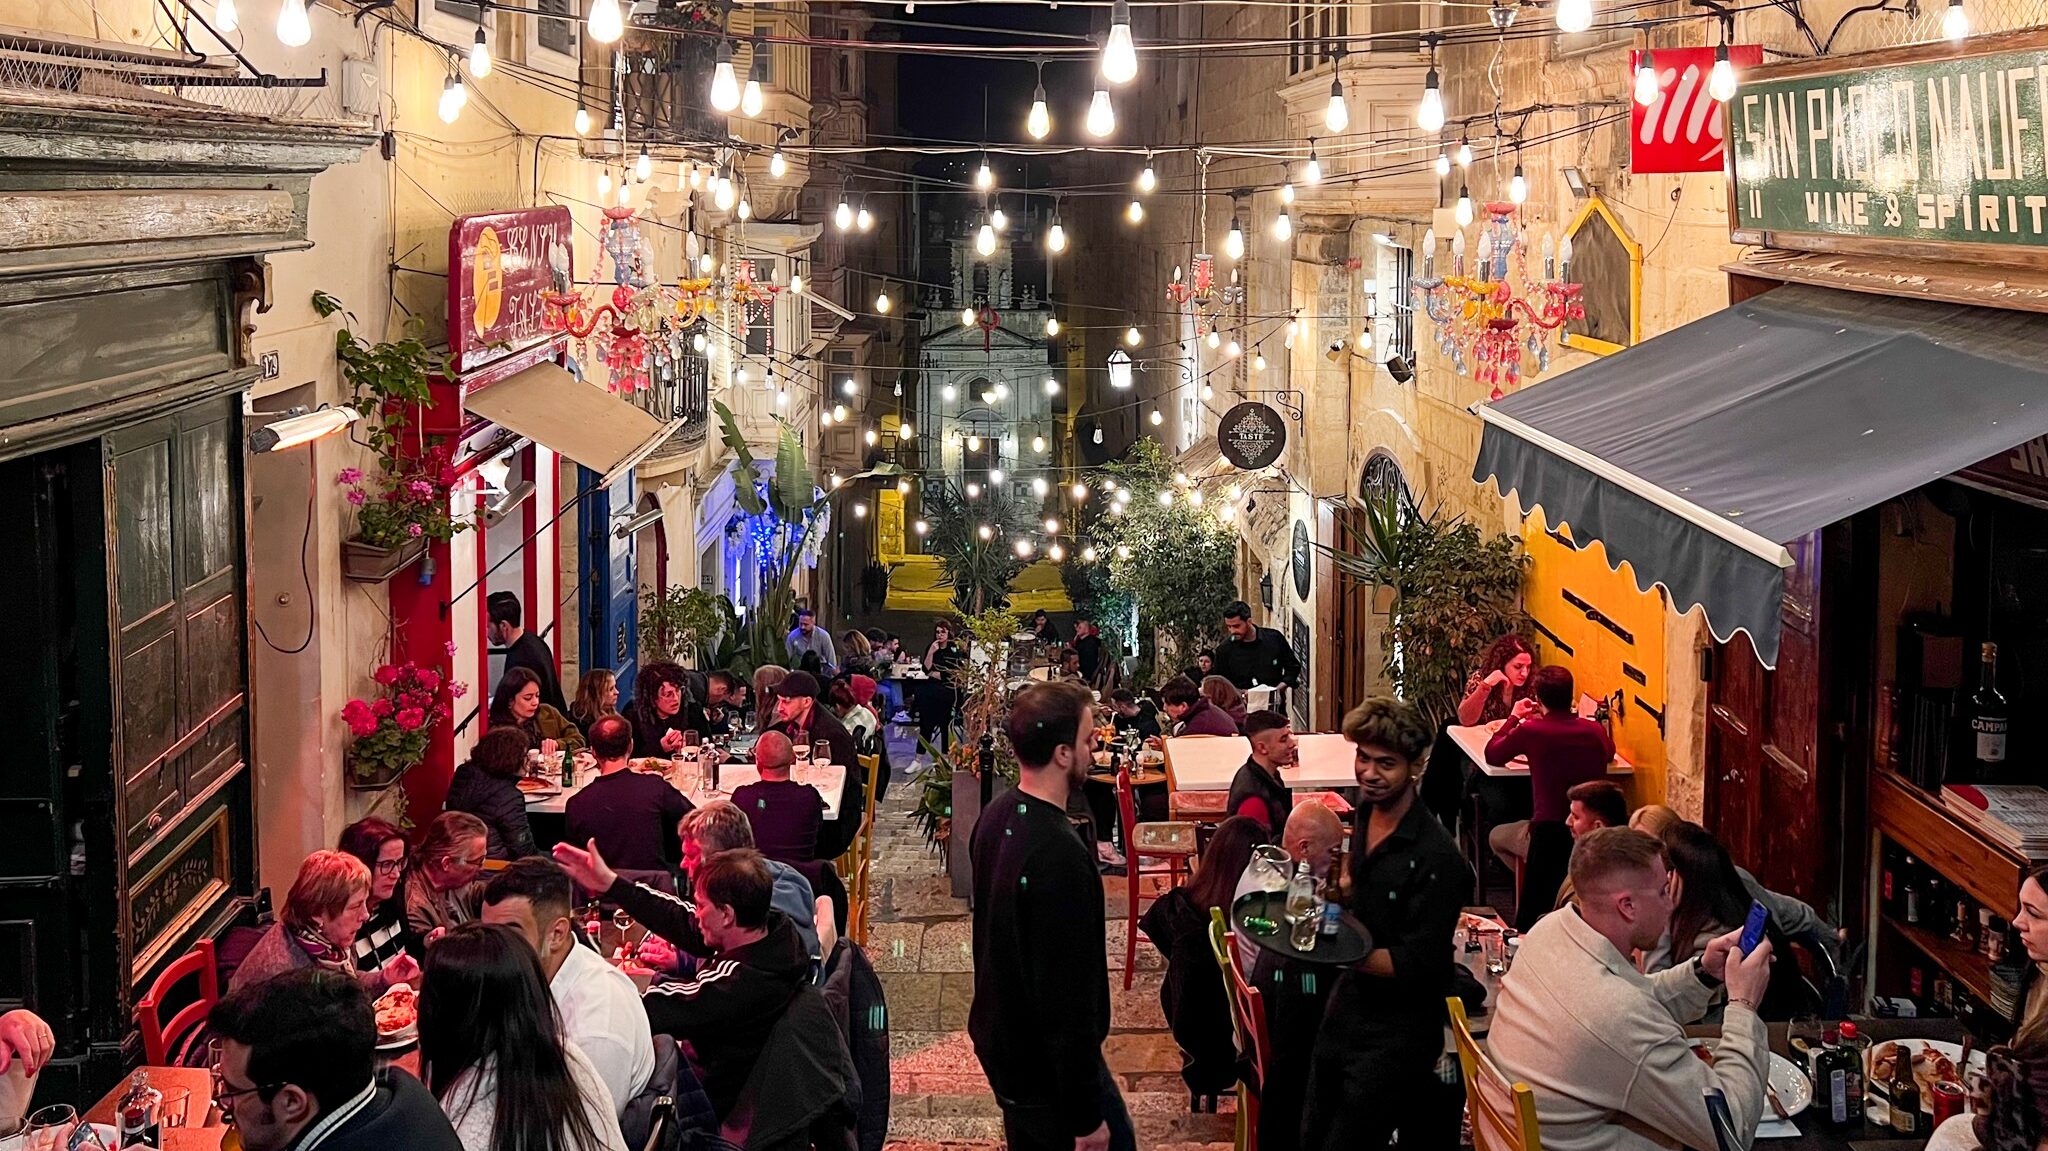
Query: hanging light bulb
(838, 413)
(1233, 350)
(973, 443)
(1052, 386)
(1147, 179)
(453, 97)
(1101, 117)
(985, 239)
(294, 28)
(882, 302)
(1955, 23)
(1131, 336)
(479, 52)
(984, 531)
(796, 284)
(967, 317)
(604, 183)
(778, 166)
(225, 18)
(746, 210)
(1215, 339)
(1287, 193)
(1157, 420)
(1518, 185)
(1647, 87)
(1443, 163)
(920, 527)
(1001, 221)
(984, 176)
(1135, 213)
(1721, 81)
(1088, 554)
(1574, 15)
(781, 394)
(1464, 209)
(1056, 237)
(902, 486)
(1283, 227)
(860, 510)
(1233, 244)
(606, 24)
(625, 193)
(707, 264)
(1336, 117)
(751, 100)
(725, 195)
(848, 388)
(725, 86)
(697, 343)
(582, 119)
(1464, 152)
(1258, 361)
(1119, 52)
(1080, 490)
(1038, 445)
(948, 392)
(864, 220)
(1429, 115)
(1052, 325)
(1312, 172)
(643, 165)
(1098, 433)
(842, 216)
(995, 475)
(1039, 121)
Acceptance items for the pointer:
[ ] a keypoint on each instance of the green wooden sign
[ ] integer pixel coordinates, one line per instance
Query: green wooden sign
(1947, 150)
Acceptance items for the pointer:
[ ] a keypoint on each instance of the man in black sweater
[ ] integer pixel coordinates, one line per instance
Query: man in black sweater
(631, 814)
(507, 628)
(1254, 656)
(1041, 972)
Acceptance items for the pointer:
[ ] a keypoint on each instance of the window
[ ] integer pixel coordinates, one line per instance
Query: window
(456, 9)
(1394, 310)
(760, 327)
(557, 26)
(1317, 31)
(765, 53)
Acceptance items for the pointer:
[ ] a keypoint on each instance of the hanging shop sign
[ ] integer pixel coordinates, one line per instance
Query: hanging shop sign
(501, 266)
(1684, 130)
(2021, 473)
(1949, 150)
(1251, 436)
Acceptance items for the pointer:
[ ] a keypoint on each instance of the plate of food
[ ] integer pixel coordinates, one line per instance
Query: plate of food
(534, 787)
(398, 1017)
(650, 764)
(1790, 1090)
(1933, 1061)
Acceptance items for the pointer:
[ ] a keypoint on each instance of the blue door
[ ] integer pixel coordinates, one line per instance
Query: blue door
(610, 598)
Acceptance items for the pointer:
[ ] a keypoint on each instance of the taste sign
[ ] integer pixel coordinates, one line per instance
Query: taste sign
(1949, 150)
(500, 267)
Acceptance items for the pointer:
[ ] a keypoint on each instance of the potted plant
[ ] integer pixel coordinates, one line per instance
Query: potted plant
(676, 623)
(401, 505)
(390, 730)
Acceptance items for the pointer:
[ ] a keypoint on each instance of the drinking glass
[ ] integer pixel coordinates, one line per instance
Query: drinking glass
(50, 1129)
(1804, 1038)
(1270, 867)
(821, 752)
(803, 753)
(623, 924)
(177, 1106)
(1495, 944)
(691, 739)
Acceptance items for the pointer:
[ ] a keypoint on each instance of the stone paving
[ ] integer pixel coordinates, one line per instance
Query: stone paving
(920, 943)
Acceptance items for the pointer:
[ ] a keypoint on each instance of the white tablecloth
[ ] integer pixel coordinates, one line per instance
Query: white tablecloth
(829, 779)
(1209, 762)
(1472, 741)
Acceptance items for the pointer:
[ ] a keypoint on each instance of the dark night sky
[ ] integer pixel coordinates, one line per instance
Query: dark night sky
(942, 95)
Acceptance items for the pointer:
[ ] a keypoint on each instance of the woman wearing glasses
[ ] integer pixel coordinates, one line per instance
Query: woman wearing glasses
(328, 904)
(381, 847)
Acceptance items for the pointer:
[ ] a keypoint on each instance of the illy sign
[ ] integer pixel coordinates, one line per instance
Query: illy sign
(1251, 436)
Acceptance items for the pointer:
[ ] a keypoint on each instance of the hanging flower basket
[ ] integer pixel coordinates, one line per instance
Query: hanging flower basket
(375, 776)
(365, 562)
(390, 729)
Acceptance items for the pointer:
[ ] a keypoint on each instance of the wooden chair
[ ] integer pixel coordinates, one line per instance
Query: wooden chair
(1248, 1023)
(1503, 1111)
(1170, 840)
(160, 1038)
(859, 857)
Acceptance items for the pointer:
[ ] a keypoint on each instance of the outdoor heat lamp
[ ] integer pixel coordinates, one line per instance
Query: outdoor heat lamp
(300, 428)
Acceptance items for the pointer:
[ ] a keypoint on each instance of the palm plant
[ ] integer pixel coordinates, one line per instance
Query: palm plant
(979, 570)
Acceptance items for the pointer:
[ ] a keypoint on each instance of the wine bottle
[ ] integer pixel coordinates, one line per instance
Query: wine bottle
(1989, 719)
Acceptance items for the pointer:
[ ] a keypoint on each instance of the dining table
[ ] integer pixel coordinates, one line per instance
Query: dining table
(1209, 762)
(828, 779)
(1497, 791)
(1812, 1135)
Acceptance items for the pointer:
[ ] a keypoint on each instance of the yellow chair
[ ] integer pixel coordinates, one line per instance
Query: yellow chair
(859, 856)
(1224, 948)
(1503, 1112)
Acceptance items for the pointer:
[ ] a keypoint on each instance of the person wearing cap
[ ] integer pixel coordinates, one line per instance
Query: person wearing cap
(798, 716)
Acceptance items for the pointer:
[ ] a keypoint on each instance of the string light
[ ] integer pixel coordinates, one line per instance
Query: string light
(1518, 186)
(1052, 325)
(870, 437)
(1039, 121)
(725, 86)
(725, 195)
(985, 532)
(1233, 244)
(1157, 419)
(1023, 548)
(1287, 193)
(920, 527)
(480, 51)
(453, 97)
(1038, 486)
(1038, 445)
(985, 238)
(1336, 117)
(582, 120)
(1056, 236)
(860, 510)
(1052, 386)
(1258, 361)
(757, 72)
(643, 165)
(1119, 51)
(1443, 163)
(902, 487)
(1234, 350)
(796, 285)
(999, 219)
(1056, 553)
(948, 392)
(1464, 207)
(1955, 23)
(1574, 15)
(1215, 339)
(838, 413)
(604, 183)
(1721, 81)
(1312, 172)
(1101, 117)
(1647, 85)
(882, 305)
(1052, 526)
(973, 443)
(294, 27)
(1135, 213)
(1131, 336)
(984, 177)
(863, 219)
(1464, 152)
(842, 216)
(1088, 554)
(778, 166)
(606, 23)
(906, 432)
(1147, 179)
(995, 475)
(967, 317)
(1429, 115)
(225, 18)
(1283, 227)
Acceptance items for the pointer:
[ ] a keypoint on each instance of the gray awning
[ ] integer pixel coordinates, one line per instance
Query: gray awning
(584, 422)
(1696, 456)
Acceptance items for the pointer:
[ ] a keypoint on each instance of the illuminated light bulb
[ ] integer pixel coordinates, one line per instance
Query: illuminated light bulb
(870, 437)
(1195, 498)
(1052, 387)
(860, 510)
(225, 18)
(835, 481)
(985, 532)
(1233, 244)
(948, 392)
(984, 176)
(1056, 238)
(1038, 445)
(604, 183)
(725, 195)
(1098, 434)
(1312, 172)
(1135, 213)
(906, 432)
(1215, 339)
(778, 165)
(1283, 227)
(696, 175)
(985, 239)
(453, 97)
(1088, 554)
(643, 165)
(751, 100)
(1123, 551)
(842, 216)
(1039, 121)
(1119, 52)
(1647, 87)
(1574, 15)
(848, 388)
(582, 120)
(781, 396)
(1101, 117)
(294, 28)
(882, 302)
(1226, 513)
(838, 413)
(1056, 553)
(1132, 337)
(1052, 328)
(864, 220)
(725, 86)
(902, 487)
(479, 55)
(1000, 220)
(1464, 207)
(1336, 117)
(1429, 115)
(1258, 361)
(1365, 339)
(707, 264)
(1235, 349)
(1002, 392)
(1023, 548)
(1147, 179)
(1955, 23)
(697, 343)
(1209, 393)
(920, 527)
(973, 443)
(973, 490)
(1518, 185)
(967, 317)
(625, 193)
(796, 284)
(1443, 162)
(995, 475)
(606, 24)
(1287, 193)
(1039, 486)
(1079, 491)
(825, 418)
(1157, 419)
(1721, 81)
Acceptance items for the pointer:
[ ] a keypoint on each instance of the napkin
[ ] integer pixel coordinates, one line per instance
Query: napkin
(1773, 1127)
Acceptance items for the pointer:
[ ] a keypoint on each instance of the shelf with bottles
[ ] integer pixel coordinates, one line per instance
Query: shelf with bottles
(1964, 964)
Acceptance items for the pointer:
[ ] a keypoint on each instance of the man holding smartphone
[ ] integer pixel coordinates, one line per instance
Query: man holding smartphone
(1603, 1045)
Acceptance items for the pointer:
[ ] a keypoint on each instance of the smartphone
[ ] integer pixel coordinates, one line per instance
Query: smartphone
(1753, 927)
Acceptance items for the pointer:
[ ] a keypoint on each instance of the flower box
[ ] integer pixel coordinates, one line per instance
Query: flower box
(375, 777)
(367, 563)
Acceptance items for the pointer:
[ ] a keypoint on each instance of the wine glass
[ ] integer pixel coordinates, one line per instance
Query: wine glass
(623, 924)
(821, 753)
(50, 1129)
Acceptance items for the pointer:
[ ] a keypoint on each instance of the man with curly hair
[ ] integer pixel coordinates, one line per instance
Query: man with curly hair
(1374, 1068)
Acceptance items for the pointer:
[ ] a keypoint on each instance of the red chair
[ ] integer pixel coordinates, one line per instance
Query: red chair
(1248, 1015)
(1170, 840)
(159, 1038)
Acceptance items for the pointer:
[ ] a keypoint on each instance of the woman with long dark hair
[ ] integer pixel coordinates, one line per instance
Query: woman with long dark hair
(661, 711)
(487, 786)
(1501, 681)
(1709, 900)
(382, 848)
(493, 1052)
(1193, 995)
(517, 703)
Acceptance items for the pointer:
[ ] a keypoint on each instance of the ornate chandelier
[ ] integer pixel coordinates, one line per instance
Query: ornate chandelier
(639, 326)
(1488, 321)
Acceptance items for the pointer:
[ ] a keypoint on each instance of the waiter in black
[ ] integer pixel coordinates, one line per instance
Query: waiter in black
(1374, 1067)
(1252, 656)
(1041, 968)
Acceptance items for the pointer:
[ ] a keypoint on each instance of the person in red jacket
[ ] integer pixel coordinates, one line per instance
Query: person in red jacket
(1563, 751)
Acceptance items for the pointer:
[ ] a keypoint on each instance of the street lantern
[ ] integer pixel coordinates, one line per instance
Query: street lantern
(1120, 369)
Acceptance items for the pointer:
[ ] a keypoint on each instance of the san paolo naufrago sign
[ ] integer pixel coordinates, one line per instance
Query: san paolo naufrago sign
(1951, 150)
